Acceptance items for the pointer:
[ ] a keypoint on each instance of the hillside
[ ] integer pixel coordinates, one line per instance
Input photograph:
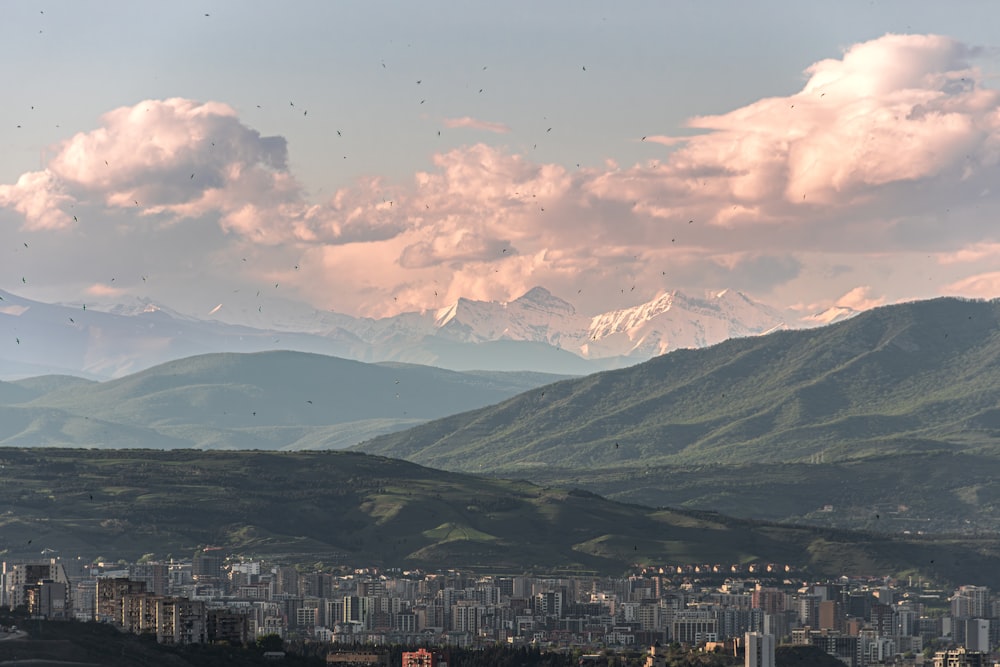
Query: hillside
(266, 400)
(914, 493)
(903, 379)
(342, 507)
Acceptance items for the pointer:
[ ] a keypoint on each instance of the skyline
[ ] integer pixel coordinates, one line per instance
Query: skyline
(373, 162)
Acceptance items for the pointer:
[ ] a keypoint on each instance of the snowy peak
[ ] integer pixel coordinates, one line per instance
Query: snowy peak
(536, 316)
(541, 299)
(675, 320)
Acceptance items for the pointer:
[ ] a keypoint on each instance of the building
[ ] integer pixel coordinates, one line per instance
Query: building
(357, 658)
(421, 658)
(47, 599)
(960, 657)
(154, 575)
(206, 565)
(110, 595)
(694, 627)
(19, 576)
(759, 650)
(977, 634)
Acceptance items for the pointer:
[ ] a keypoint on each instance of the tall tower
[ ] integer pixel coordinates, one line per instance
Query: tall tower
(759, 650)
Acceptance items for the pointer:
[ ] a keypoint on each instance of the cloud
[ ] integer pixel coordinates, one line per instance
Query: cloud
(38, 196)
(860, 298)
(664, 140)
(175, 159)
(972, 253)
(102, 290)
(475, 124)
(982, 285)
(894, 123)
(886, 154)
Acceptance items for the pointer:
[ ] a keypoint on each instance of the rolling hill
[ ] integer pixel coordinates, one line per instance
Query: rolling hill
(350, 508)
(266, 400)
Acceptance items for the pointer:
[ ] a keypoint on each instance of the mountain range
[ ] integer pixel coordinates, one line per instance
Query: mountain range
(846, 425)
(537, 331)
(914, 377)
(896, 393)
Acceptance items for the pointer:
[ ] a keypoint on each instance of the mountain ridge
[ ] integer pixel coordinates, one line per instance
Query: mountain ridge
(909, 377)
(112, 340)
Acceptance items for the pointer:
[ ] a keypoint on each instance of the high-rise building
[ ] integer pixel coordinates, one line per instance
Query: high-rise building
(759, 650)
(971, 602)
(977, 634)
(831, 615)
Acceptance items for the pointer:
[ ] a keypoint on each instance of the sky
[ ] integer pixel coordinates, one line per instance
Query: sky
(373, 158)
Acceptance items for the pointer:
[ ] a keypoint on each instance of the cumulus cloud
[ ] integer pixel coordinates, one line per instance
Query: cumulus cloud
(476, 124)
(39, 197)
(177, 159)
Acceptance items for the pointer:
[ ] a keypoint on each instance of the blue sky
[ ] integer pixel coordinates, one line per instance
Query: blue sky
(356, 188)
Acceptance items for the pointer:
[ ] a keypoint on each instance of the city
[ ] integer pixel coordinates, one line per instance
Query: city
(223, 599)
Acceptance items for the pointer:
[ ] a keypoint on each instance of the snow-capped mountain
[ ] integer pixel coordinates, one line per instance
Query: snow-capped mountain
(536, 316)
(675, 320)
(536, 331)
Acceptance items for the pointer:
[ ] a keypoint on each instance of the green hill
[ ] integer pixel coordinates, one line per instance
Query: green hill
(903, 379)
(342, 507)
(266, 400)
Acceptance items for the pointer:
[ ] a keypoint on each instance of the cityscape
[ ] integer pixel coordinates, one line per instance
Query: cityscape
(357, 613)
(562, 334)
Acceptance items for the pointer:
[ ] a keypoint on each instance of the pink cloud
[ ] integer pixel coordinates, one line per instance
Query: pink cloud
(664, 140)
(982, 285)
(104, 290)
(974, 253)
(859, 298)
(39, 197)
(178, 159)
(476, 124)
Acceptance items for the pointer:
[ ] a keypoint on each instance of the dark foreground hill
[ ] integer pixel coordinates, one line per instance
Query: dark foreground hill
(264, 400)
(341, 507)
(915, 377)
(72, 644)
